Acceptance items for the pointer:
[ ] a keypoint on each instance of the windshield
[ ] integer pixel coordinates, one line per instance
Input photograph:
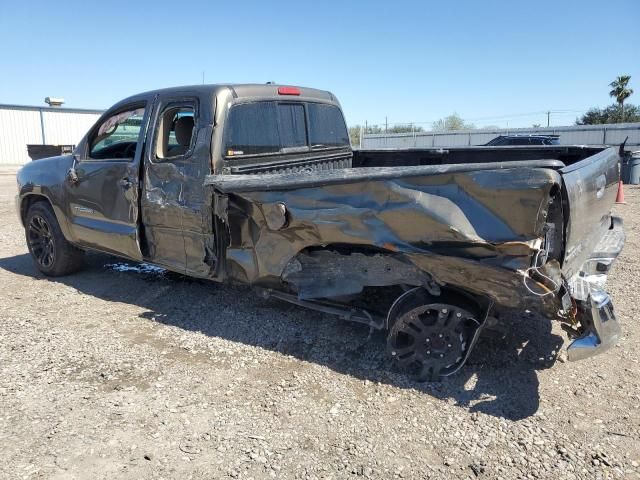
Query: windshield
(272, 127)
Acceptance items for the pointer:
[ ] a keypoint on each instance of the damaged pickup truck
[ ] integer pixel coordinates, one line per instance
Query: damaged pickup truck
(258, 185)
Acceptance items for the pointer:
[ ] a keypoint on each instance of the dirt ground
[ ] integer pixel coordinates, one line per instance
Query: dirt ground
(123, 372)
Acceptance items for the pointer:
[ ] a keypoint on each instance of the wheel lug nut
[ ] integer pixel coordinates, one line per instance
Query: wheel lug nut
(440, 335)
(393, 353)
(444, 310)
(449, 345)
(428, 352)
(441, 355)
(458, 314)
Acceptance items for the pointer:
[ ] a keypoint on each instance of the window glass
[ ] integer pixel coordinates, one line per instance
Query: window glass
(252, 128)
(117, 136)
(292, 125)
(175, 132)
(326, 126)
(278, 127)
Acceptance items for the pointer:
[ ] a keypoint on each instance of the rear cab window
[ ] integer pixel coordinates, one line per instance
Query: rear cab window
(276, 127)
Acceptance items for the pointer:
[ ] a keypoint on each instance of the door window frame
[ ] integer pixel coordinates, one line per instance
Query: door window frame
(145, 104)
(162, 106)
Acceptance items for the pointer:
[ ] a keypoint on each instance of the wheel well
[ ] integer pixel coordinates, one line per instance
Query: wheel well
(28, 201)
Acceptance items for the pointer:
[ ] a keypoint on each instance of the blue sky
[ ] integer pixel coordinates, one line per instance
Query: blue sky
(492, 62)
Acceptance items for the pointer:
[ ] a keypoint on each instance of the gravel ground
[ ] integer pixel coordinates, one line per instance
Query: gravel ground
(121, 372)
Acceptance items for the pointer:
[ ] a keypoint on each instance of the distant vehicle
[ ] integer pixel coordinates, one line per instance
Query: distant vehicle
(511, 140)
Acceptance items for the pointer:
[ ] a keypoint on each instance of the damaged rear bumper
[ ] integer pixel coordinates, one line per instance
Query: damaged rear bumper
(599, 326)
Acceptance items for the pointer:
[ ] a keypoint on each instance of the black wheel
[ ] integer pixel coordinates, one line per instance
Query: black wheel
(51, 252)
(430, 337)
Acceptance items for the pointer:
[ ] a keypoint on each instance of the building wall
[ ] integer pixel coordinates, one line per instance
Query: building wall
(24, 125)
(608, 134)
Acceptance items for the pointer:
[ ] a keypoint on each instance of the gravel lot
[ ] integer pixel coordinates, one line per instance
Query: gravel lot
(120, 373)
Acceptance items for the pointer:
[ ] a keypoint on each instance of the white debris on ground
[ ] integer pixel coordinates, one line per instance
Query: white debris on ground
(135, 267)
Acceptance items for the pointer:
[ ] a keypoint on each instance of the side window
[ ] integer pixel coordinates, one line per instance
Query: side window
(176, 130)
(117, 136)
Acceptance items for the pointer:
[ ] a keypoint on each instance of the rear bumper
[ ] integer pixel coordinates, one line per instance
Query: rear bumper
(600, 329)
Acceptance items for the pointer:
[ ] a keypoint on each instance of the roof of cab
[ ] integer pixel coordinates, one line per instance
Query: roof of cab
(237, 90)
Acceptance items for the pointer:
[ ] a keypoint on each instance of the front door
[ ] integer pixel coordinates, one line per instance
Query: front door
(104, 197)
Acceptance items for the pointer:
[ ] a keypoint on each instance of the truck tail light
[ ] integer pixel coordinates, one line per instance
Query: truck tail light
(288, 91)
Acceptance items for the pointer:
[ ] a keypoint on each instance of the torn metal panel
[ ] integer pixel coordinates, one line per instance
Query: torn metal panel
(322, 274)
(470, 228)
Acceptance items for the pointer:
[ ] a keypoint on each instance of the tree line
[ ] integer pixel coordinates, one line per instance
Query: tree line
(618, 112)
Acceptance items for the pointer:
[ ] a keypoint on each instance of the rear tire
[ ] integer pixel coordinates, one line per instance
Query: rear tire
(52, 254)
(430, 337)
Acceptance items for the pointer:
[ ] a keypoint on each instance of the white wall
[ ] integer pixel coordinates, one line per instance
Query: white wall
(20, 126)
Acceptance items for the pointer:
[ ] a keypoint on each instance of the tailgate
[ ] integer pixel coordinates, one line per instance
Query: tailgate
(590, 186)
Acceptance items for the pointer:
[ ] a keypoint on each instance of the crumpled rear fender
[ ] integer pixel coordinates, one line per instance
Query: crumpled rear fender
(477, 229)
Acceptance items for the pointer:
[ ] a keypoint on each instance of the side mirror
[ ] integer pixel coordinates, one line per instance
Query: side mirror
(72, 175)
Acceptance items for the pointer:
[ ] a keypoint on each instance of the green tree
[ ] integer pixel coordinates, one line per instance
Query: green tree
(611, 114)
(373, 129)
(620, 91)
(354, 132)
(404, 129)
(354, 135)
(452, 122)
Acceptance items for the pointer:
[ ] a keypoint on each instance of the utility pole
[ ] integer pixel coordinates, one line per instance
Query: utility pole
(548, 117)
(203, 77)
(386, 124)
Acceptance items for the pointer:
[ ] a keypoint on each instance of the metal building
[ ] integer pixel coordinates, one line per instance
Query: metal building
(22, 125)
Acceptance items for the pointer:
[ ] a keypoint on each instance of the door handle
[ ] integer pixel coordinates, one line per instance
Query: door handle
(125, 183)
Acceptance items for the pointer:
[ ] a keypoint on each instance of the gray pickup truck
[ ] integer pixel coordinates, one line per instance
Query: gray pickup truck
(258, 185)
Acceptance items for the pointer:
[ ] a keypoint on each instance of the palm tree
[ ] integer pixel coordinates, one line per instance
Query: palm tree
(620, 91)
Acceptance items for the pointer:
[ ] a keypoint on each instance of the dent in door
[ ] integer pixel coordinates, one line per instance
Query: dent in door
(162, 214)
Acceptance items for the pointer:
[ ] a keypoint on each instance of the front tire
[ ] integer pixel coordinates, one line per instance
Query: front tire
(52, 254)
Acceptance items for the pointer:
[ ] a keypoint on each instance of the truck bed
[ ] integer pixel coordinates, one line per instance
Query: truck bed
(410, 157)
(568, 155)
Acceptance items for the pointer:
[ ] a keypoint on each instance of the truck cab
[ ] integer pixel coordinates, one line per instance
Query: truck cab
(135, 185)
